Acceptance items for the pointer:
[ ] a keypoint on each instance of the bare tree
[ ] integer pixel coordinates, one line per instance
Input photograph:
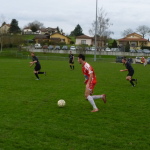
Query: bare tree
(144, 30)
(126, 32)
(103, 24)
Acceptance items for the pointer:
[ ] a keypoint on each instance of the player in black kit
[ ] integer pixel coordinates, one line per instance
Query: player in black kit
(71, 60)
(130, 70)
(37, 66)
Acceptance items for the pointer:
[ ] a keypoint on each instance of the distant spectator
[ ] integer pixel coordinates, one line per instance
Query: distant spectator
(144, 61)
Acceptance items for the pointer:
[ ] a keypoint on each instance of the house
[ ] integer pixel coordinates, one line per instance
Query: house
(84, 39)
(41, 38)
(51, 30)
(61, 37)
(90, 41)
(134, 40)
(54, 37)
(27, 30)
(4, 29)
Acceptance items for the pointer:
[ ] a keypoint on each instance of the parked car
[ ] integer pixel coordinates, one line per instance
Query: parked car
(79, 48)
(146, 51)
(133, 51)
(37, 45)
(87, 48)
(140, 51)
(119, 59)
(148, 60)
(92, 48)
(115, 49)
(138, 59)
(45, 47)
(108, 49)
(72, 48)
(57, 47)
(65, 47)
(50, 47)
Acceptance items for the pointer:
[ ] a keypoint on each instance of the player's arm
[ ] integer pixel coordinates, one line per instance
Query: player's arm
(32, 63)
(124, 70)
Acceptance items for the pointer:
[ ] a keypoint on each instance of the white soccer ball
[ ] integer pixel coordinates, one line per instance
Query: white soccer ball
(61, 103)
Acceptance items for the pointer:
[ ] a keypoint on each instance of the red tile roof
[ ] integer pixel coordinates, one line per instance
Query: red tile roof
(132, 39)
(83, 37)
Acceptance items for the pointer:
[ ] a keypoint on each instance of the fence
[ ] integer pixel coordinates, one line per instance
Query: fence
(92, 52)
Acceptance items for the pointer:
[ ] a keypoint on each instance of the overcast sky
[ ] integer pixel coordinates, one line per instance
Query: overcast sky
(66, 14)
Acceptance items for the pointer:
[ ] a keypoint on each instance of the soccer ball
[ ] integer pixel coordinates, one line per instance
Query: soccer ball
(61, 103)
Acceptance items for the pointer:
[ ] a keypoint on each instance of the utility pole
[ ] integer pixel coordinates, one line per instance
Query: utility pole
(95, 34)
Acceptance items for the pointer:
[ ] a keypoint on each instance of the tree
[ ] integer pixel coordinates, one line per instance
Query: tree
(127, 47)
(3, 23)
(35, 25)
(126, 32)
(114, 44)
(144, 30)
(103, 24)
(77, 31)
(58, 30)
(14, 28)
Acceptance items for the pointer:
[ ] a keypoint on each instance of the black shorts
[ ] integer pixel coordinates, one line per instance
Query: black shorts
(130, 73)
(71, 62)
(37, 68)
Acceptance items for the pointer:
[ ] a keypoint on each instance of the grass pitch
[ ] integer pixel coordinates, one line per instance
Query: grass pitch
(31, 119)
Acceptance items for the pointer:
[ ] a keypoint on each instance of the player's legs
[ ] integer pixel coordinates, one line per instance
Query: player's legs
(71, 65)
(130, 79)
(90, 99)
(88, 91)
(36, 74)
(102, 96)
(36, 70)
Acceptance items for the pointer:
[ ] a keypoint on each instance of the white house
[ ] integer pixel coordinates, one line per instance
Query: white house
(5, 28)
(84, 39)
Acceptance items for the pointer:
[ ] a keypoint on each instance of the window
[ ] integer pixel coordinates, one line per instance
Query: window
(133, 44)
(83, 41)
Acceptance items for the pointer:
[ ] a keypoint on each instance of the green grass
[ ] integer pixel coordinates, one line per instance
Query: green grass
(31, 120)
(28, 37)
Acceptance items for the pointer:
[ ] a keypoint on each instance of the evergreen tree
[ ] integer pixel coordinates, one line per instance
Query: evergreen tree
(114, 44)
(14, 28)
(3, 23)
(58, 30)
(77, 31)
(127, 47)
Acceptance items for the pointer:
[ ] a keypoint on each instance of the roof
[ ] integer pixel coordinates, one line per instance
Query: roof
(132, 39)
(41, 37)
(59, 34)
(134, 34)
(83, 37)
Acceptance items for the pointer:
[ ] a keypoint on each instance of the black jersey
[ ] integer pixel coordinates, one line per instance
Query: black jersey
(34, 58)
(129, 67)
(71, 57)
